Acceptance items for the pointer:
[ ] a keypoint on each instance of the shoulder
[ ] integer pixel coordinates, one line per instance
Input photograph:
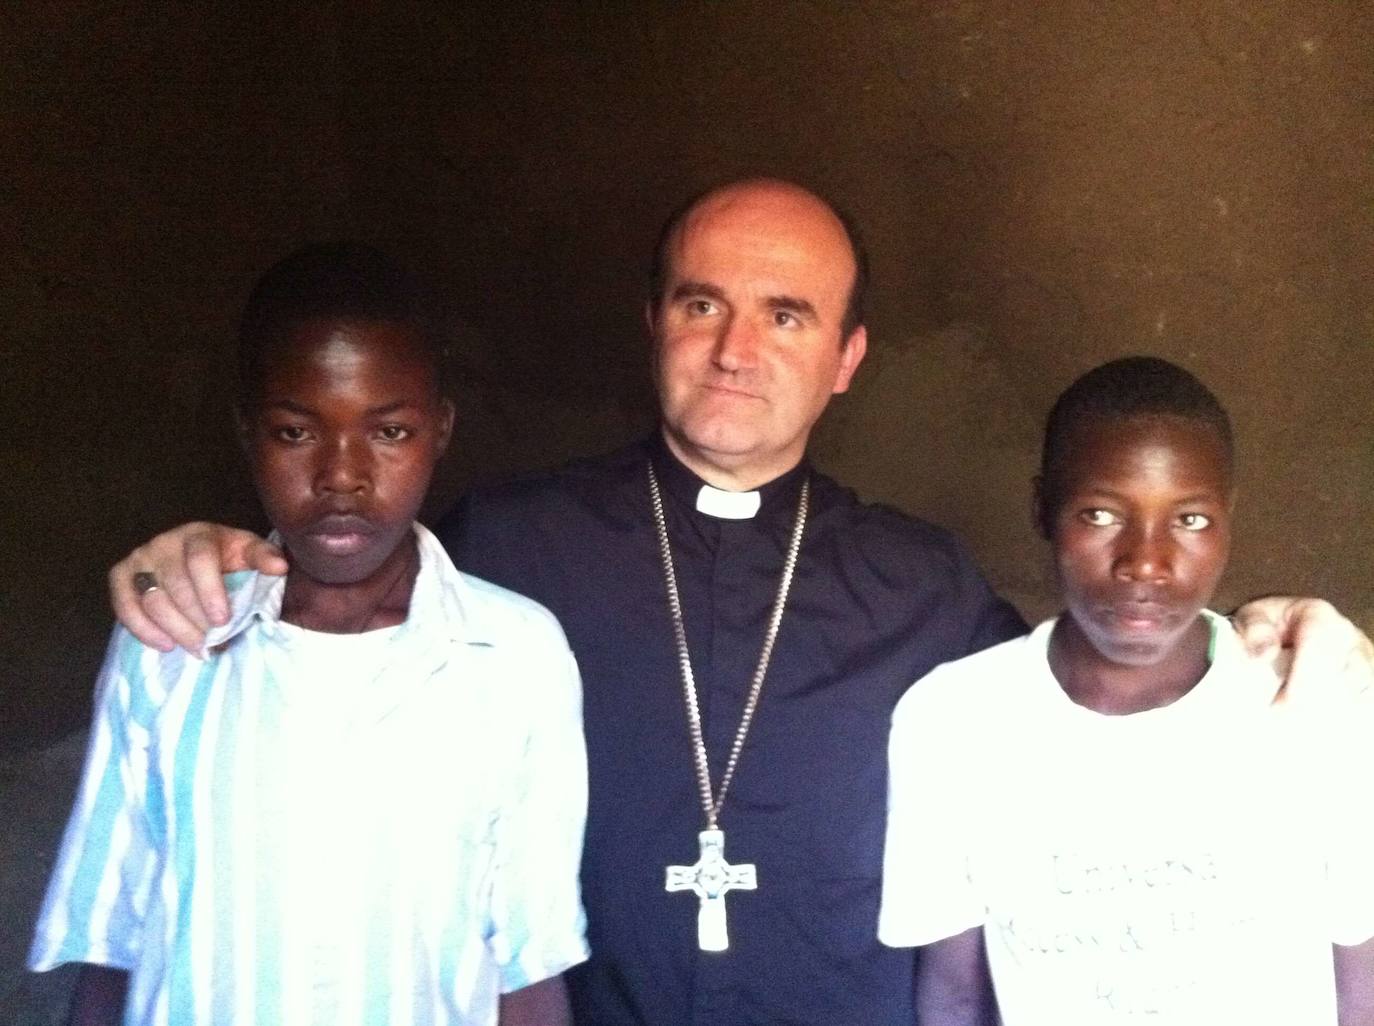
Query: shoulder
(520, 532)
(240, 582)
(1235, 681)
(920, 573)
(501, 648)
(482, 612)
(886, 534)
(251, 595)
(506, 614)
(586, 480)
(976, 686)
(138, 681)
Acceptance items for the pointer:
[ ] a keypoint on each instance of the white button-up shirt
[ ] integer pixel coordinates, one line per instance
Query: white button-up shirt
(296, 827)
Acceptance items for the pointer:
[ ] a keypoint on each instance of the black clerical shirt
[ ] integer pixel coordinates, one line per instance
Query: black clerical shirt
(878, 599)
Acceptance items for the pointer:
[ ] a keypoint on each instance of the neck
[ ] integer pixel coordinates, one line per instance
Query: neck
(382, 600)
(742, 475)
(1093, 681)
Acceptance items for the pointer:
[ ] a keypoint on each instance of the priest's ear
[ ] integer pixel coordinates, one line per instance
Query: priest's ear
(852, 350)
(652, 309)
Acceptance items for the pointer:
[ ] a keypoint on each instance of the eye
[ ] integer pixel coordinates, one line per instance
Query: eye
(394, 432)
(1194, 521)
(290, 433)
(700, 307)
(1098, 517)
(785, 319)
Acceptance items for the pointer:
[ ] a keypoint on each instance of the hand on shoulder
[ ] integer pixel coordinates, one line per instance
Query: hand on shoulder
(169, 591)
(1314, 649)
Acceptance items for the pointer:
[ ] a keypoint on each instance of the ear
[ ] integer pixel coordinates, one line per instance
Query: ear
(851, 355)
(447, 414)
(650, 319)
(1038, 509)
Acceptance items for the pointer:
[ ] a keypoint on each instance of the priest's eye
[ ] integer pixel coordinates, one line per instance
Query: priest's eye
(290, 433)
(1194, 521)
(700, 307)
(394, 433)
(1097, 517)
(785, 319)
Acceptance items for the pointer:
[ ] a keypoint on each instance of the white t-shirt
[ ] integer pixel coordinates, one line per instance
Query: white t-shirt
(1186, 865)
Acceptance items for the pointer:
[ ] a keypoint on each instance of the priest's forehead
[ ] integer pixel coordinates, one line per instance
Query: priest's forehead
(660, 269)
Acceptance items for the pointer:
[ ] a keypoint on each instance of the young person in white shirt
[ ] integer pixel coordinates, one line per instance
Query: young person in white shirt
(1109, 821)
(363, 801)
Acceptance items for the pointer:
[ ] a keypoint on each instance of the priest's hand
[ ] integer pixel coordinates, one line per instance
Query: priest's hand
(170, 591)
(1309, 644)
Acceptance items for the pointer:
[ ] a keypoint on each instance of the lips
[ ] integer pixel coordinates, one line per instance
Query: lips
(1137, 615)
(720, 389)
(341, 534)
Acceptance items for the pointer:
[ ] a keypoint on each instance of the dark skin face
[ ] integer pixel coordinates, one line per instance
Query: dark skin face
(343, 440)
(1141, 528)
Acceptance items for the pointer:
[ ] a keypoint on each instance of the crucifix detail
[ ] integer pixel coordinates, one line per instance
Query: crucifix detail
(711, 878)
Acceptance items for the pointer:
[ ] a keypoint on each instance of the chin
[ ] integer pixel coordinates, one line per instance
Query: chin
(338, 572)
(723, 439)
(1134, 650)
(1134, 653)
(325, 568)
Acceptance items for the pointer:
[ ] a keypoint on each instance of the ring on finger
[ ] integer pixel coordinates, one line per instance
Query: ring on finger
(145, 582)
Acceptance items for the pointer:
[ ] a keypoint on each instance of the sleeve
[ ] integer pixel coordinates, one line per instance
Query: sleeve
(97, 896)
(538, 927)
(454, 531)
(477, 535)
(1350, 858)
(992, 620)
(927, 892)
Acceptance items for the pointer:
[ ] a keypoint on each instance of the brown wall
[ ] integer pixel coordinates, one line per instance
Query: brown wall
(1044, 186)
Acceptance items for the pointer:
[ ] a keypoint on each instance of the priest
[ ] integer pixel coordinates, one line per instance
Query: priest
(744, 626)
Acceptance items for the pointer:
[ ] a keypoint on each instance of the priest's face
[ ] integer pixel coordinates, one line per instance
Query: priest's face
(749, 345)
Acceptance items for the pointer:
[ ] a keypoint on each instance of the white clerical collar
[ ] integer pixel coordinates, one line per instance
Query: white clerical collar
(728, 505)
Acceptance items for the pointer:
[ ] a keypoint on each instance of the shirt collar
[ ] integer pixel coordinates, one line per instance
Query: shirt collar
(441, 604)
(252, 596)
(685, 486)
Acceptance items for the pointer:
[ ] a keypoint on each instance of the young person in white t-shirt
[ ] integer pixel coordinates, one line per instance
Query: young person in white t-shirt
(363, 802)
(1109, 821)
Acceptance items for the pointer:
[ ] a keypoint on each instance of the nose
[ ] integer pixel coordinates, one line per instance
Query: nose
(345, 466)
(736, 344)
(1144, 553)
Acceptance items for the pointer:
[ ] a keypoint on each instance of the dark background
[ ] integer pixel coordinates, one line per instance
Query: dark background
(1043, 186)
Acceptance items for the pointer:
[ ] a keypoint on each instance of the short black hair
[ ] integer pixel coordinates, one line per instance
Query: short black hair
(856, 309)
(337, 280)
(1133, 386)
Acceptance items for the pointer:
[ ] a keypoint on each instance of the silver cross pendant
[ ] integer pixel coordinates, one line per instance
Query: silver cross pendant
(711, 878)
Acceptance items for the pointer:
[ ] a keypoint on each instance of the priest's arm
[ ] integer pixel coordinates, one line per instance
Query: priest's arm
(188, 562)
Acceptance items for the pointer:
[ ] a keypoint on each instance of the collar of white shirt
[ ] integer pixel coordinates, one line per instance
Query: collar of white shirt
(442, 602)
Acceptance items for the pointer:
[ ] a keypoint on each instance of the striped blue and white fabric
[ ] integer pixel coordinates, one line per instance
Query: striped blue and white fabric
(299, 828)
